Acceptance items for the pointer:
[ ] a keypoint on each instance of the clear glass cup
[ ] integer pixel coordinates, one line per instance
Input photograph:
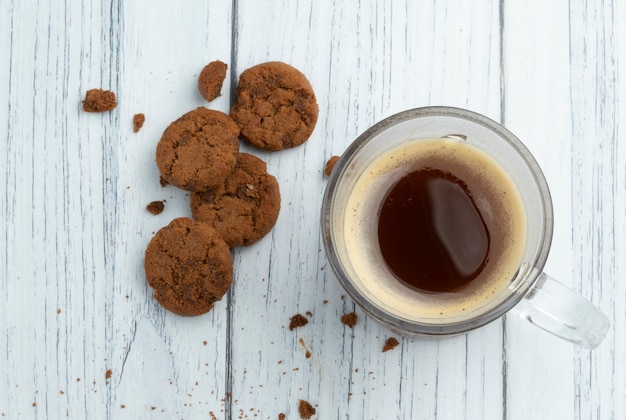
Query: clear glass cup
(529, 292)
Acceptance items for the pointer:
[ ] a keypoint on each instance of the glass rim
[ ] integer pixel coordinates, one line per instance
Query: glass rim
(457, 327)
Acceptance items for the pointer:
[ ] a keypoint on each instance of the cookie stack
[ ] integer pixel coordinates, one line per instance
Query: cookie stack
(234, 201)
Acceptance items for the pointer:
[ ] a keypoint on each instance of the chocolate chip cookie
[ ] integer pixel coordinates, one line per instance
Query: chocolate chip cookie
(198, 150)
(189, 266)
(275, 106)
(245, 207)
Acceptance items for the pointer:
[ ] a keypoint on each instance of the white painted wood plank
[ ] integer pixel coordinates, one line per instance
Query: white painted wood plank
(574, 132)
(177, 365)
(366, 61)
(52, 304)
(75, 186)
(540, 380)
(599, 210)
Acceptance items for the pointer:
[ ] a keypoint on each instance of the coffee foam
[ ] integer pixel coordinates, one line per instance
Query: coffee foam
(493, 192)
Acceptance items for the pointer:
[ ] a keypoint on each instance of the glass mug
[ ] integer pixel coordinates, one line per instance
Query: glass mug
(511, 278)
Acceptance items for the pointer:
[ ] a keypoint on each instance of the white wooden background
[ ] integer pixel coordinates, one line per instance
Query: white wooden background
(73, 190)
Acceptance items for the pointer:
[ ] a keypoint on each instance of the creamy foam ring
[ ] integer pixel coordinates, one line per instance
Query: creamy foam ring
(493, 192)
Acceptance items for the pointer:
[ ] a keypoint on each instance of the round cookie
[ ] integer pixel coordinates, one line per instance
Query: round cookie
(275, 106)
(245, 207)
(198, 150)
(189, 266)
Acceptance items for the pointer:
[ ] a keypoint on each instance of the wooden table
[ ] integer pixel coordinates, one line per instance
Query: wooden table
(74, 303)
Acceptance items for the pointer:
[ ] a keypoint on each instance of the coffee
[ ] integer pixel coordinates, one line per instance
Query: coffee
(431, 233)
(434, 228)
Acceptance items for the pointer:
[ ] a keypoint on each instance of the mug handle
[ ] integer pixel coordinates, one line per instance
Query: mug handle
(557, 309)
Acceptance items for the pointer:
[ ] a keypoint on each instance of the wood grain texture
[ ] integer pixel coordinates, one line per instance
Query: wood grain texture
(73, 299)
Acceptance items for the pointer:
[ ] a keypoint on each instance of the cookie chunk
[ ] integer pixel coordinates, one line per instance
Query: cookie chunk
(330, 165)
(306, 409)
(189, 266)
(138, 120)
(98, 100)
(211, 79)
(199, 150)
(275, 106)
(156, 207)
(245, 207)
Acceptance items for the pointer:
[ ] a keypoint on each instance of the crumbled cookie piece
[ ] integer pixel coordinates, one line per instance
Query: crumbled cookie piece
(98, 100)
(390, 344)
(138, 120)
(349, 319)
(306, 409)
(211, 79)
(328, 169)
(296, 321)
(156, 207)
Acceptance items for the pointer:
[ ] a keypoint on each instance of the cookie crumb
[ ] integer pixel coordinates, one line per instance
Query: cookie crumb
(296, 321)
(306, 409)
(349, 319)
(98, 100)
(330, 165)
(307, 353)
(211, 79)
(156, 207)
(138, 120)
(281, 416)
(390, 344)
(108, 374)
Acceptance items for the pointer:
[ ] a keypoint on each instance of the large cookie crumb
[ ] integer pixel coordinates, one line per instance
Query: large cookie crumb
(349, 319)
(156, 207)
(98, 100)
(138, 120)
(306, 409)
(211, 79)
(390, 344)
(296, 321)
(328, 169)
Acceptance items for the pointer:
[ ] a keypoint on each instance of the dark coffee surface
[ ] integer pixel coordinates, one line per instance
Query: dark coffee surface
(485, 185)
(431, 233)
